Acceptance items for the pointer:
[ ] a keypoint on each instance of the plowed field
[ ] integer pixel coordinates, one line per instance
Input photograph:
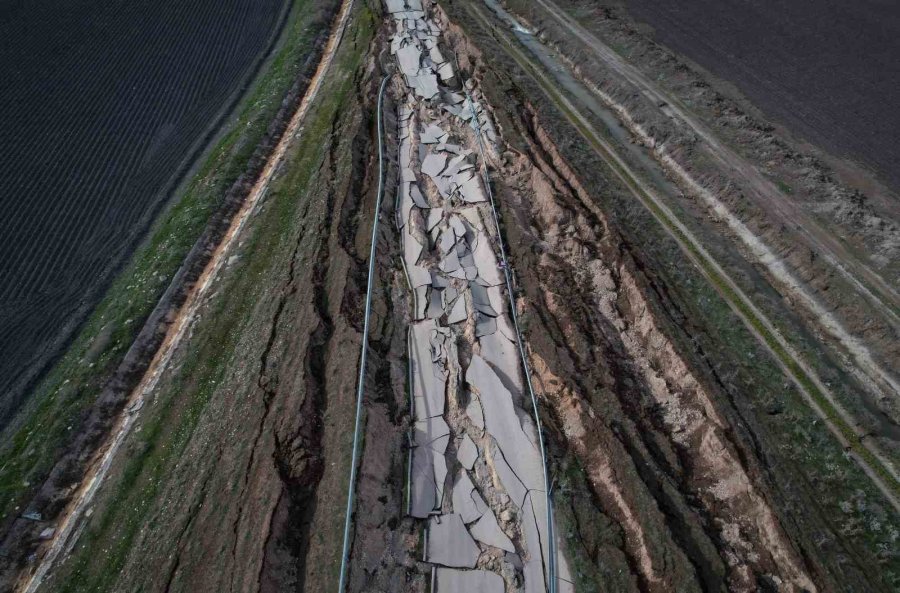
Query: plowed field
(828, 70)
(103, 107)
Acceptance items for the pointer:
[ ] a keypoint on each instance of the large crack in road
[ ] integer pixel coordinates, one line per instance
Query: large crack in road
(478, 474)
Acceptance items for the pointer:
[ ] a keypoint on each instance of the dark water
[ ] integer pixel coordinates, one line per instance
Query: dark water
(102, 104)
(827, 69)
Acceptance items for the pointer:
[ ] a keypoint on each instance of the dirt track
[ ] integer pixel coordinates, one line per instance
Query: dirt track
(885, 296)
(831, 264)
(878, 465)
(101, 152)
(633, 243)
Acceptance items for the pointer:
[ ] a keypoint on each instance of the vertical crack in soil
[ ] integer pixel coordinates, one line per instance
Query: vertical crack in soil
(297, 456)
(596, 309)
(204, 490)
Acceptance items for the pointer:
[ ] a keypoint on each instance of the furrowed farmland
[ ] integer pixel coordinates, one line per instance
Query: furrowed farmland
(103, 108)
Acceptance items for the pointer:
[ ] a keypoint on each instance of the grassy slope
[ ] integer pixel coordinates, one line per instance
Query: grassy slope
(215, 353)
(37, 439)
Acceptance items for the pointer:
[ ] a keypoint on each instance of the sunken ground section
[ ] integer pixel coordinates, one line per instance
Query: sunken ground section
(826, 69)
(102, 108)
(477, 465)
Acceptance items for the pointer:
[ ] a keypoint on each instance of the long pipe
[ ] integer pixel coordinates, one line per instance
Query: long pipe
(351, 489)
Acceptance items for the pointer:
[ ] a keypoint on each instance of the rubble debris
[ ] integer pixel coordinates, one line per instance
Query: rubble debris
(458, 285)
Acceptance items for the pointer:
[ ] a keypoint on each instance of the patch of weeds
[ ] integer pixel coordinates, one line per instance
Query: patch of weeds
(593, 542)
(784, 187)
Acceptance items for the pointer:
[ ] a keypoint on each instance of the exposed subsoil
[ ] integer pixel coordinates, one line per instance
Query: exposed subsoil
(386, 553)
(253, 499)
(731, 535)
(596, 317)
(661, 487)
(689, 492)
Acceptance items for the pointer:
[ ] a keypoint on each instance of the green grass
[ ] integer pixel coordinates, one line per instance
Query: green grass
(793, 367)
(168, 427)
(784, 186)
(592, 541)
(38, 437)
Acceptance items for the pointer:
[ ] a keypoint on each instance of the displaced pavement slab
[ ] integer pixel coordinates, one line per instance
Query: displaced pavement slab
(449, 542)
(467, 453)
(430, 429)
(508, 478)
(466, 500)
(458, 312)
(502, 422)
(532, 512)
(488, 531)
(449, 580)
(427, 387)
(448, 251)
(503, 356)
(433, 164)
(433, 134)
(423, 490)
(486, 261)
(412, 251)
(474, 412)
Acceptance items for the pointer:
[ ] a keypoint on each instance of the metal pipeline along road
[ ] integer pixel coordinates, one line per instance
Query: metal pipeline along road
(351, 491)
(551, 543)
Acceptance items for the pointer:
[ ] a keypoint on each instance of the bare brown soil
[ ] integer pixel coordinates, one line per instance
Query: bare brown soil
(258, 406)
(749, 536)
(652, 402)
